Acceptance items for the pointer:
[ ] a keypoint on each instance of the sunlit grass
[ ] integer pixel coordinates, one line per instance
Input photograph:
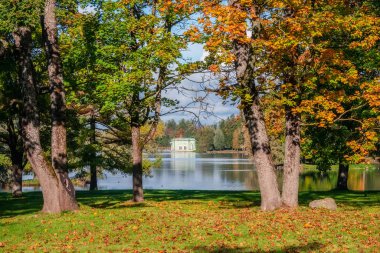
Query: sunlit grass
(190, 221)
(309, 168)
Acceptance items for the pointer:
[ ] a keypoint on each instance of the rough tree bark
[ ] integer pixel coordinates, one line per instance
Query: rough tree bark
(245, 60)
(57, 92)
(93, 173)
(137, 171)
(253, 115)
(138, 143)
(16, 179)
(55, 190)
(17, 155)
(262, 158)
(57, 99)
(342, 176)
(292, 158)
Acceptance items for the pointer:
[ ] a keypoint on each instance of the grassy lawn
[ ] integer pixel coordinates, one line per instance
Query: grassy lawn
(190, 221)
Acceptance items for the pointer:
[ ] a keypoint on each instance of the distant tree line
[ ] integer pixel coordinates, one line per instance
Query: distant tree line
(227, 134)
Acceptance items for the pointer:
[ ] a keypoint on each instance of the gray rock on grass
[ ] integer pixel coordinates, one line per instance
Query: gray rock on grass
(328, 203)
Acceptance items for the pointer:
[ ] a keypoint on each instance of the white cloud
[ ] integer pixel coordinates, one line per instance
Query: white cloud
(205, 53)
(86, 10)
(249, 33)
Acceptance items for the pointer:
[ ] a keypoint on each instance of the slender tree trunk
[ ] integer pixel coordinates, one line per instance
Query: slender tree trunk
(138, 193)
(57, 97)
(55, 190)
(93, 174)
(17, 169)
(342, 176)
(262, 158)
(57, 92)
(17, 154)
(16, 180)
(292, 159)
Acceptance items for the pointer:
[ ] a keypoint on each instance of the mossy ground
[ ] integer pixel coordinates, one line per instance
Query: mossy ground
(190, 221)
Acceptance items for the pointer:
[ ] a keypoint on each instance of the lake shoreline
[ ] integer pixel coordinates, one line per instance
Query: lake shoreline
(227, 152)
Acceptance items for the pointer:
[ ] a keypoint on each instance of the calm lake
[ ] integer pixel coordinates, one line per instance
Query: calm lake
(193, 171)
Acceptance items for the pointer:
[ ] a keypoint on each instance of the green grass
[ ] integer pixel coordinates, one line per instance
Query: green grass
(335, 167)
(190, 221)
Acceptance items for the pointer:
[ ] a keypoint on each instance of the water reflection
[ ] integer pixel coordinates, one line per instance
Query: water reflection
(318, 181)
(188, 170)
(361, 180)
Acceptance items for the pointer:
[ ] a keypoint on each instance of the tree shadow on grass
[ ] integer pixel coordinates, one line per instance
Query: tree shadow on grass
(118, 205)
(242, 199)
(31, 202)
(102, 199)
(202, 195)
(235, 199)
(227, 199)
(348, 198)
(312, 246)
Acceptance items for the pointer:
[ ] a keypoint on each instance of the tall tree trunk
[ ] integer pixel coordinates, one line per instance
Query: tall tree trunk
(57, 98)
(93, 173)
(262, 158)
(57, 92)
(254, 118)
(342, 176)
(137, 173)
(55, 190)
(292, 159)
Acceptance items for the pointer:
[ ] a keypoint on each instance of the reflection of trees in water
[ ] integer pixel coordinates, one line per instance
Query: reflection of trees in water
(235, 166)
(360, 180)
(251, 181)
(356, 180)
(317, 181)
(218, 172)
(246, 174)
(241, 173)
(373, 180)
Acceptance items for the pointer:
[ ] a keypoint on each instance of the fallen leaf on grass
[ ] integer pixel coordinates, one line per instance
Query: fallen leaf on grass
(2, 244)
(307, 225)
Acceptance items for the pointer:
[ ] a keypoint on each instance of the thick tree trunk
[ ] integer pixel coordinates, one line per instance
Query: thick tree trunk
(56, 193)
(262, 158)
(292, 159)
(260, 147)
(93, 173)
(342, 176)
(137, 173)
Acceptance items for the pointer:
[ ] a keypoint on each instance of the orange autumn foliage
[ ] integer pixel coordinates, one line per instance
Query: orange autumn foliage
(301, 41)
